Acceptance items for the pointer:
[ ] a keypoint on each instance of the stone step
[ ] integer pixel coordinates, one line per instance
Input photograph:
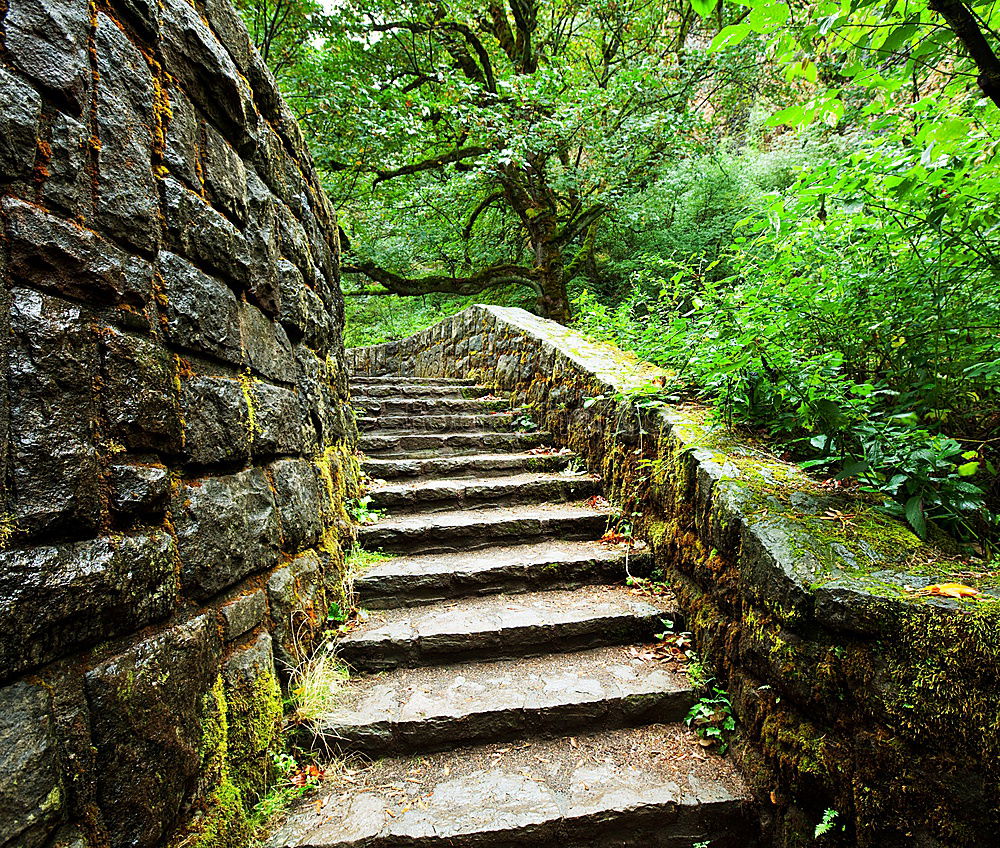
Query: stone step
(411, 390)
(426, 406)
(556, 564)
(463, 530)
(438, 707)
(439, 444)
(649, 787)
(468, 492)
(503, 422)
(395, 380)
(498, 626)
(467, 465)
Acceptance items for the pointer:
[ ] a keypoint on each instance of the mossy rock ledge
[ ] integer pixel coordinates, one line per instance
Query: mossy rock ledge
(853, 692)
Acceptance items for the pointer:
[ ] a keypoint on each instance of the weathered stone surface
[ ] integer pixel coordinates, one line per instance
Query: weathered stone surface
(208, 73)
(225, 177)
(204, 235)
(230, 30)
(127, 197)
(55, 475)
(294, 241)
(50, 253)
(153, 704)
(32, 795)
(471, 529)
(644, 787)
(413, 580)
(479, 465)
(297, 492)
(227, 529)
(138, 490)
(67, 185)
(139, 393)
(203, 314)
(20, 110)
(444, 706)
(268, 349)
(253, 700)
(216, 420)
(297, 601)
(55, 599)
(302, 310)
(47, 39)
(438, 444)
(180, 150)
(506, 421)
(500, 625)
(279, 427)
(144, 14)
(243, 614)
(262, 242)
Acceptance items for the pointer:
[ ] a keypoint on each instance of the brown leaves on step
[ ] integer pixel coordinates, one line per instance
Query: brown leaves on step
(308, 775)
(546, 450)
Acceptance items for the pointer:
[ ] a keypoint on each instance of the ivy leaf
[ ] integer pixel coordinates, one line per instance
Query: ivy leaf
(914, 511)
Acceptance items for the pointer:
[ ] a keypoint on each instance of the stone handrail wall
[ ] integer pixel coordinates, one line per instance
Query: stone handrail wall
(177, 440)
(852, 693)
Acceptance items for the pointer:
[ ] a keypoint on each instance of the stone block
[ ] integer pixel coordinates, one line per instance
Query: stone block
(204, 235)
(196, 58)
(225, 177)
(153, 712)
(268, 161)
(297, 601)
(60, 598)
(253, 700)
(230, 30)
(47, 40)
(294, 242)
(55, 477)
(262, 242)
(216, 420)
(279, 425)
(202, 313)
(227, 529)
(268, 350)
(127, 197)
(139, 393)
(243, 614)
(32, 795)
(180, 150)
(138, 490)
(298, 495)
(20, 110)
(67, 186)
(52, 254)
(302, 310)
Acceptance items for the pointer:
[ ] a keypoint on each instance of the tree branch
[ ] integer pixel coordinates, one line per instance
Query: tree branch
(482, 207)
(574, 228)
(963, 24)
(430, 164)
(495, 275)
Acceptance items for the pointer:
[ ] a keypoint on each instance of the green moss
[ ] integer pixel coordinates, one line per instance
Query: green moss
(254, 724)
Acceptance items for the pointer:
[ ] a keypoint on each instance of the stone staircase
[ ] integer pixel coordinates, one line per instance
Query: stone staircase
(502, 695)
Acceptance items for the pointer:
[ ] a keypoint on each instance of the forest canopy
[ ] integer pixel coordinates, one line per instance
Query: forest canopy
(794, 206)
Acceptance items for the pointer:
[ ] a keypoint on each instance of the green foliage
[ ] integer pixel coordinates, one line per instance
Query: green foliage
(358, 509)
(712, 715)
(827, 824)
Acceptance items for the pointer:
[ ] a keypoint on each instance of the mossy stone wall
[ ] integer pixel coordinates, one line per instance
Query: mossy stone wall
(853, 693)
(177, 441)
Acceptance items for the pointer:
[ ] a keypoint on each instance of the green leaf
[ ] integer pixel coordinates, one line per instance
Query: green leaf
(914, 511)
(967, 469)
(704, 7)
(765, 19)
(729, 37)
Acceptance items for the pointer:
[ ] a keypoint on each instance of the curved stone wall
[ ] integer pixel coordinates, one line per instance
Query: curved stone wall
(176, 436)
(854, 693)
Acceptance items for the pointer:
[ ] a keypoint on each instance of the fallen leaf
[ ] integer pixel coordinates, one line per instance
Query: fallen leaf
(950, 590)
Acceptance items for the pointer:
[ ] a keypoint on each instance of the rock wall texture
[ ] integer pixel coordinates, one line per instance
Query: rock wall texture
(176, 437)
(853, 693)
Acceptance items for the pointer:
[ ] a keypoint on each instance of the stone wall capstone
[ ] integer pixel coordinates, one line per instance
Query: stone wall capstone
(854, 692)
(177, 443)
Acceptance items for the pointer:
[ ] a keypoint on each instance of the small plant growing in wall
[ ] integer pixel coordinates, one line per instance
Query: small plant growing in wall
(359, 510)
(712, 716)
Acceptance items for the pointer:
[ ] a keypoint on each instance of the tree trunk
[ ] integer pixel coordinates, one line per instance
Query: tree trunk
(553, 300)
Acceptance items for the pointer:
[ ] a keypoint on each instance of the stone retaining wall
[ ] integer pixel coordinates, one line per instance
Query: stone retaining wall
(176, 435)
(852, 693)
